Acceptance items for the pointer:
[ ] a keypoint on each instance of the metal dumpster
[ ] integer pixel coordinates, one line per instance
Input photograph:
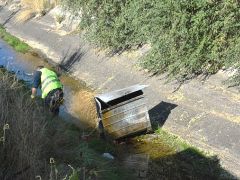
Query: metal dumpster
(123, 112)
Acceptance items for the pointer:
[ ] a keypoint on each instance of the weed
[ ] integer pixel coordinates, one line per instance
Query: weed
(59, 18)
(16, 43)
(3, 138)
(177, 143)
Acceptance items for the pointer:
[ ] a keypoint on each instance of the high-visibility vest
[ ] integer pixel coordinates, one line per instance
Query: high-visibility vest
(49, 81)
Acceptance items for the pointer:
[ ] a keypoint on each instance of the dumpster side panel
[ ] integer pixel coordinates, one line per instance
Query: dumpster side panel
(126, 118)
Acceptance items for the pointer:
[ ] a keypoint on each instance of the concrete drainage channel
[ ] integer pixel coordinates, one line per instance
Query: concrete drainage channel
(23, 67)
(117, 111)
(149, 157)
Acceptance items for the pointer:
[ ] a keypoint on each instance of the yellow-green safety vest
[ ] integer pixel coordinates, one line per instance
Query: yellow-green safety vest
(49, 81)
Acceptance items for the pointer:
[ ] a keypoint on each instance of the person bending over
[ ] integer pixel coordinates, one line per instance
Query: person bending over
(51, 87)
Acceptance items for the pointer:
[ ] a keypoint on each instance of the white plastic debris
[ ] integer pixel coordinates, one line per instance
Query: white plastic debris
(108, 156)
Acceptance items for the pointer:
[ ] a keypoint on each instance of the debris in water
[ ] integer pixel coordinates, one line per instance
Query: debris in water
(108, 156)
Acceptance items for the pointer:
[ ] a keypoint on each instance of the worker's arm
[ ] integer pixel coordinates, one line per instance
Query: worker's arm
(36, 83)
(34, 92)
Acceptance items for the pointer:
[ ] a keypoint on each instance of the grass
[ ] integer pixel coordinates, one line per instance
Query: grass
(177, 143)
(59, 18)
(38, 145)
(174, 158)
(16, 43)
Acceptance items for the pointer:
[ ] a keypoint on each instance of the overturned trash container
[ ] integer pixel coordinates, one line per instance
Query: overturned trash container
(123, 112)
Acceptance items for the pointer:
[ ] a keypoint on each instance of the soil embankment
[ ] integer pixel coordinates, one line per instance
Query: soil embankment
(206, 114)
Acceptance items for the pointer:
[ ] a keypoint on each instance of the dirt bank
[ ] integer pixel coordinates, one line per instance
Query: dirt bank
(206, 114)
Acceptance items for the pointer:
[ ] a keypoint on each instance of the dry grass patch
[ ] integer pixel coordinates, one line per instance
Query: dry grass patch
(24, 139)
(32, 8)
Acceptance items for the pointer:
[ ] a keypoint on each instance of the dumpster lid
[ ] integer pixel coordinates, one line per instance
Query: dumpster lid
(120, 93)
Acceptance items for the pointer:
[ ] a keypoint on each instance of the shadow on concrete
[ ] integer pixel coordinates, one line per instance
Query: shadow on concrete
(10, 17)
(70, 58)
(187, 164)
(159, 114)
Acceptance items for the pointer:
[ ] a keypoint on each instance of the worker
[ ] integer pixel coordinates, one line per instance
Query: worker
(51, 87)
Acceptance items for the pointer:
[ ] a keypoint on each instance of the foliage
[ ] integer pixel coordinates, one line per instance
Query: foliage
(187, 37)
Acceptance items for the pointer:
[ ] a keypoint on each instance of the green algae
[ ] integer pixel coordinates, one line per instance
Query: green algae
(15, 42)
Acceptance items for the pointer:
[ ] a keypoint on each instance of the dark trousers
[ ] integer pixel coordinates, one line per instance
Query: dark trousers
(54, 100)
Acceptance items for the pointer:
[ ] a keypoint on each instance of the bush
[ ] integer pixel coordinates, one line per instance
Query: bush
(187, 37)
(23, 143)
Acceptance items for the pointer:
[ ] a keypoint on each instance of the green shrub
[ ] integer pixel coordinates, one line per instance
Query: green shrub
(187, 37)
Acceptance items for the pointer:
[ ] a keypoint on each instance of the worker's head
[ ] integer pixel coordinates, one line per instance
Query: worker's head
(39, 67)
(58, 69)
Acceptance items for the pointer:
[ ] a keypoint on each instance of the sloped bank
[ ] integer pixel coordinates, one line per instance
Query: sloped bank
(194, 112)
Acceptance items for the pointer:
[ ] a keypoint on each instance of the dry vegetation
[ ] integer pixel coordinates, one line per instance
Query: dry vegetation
(32, 8)
(23, 142)
(34, 144)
